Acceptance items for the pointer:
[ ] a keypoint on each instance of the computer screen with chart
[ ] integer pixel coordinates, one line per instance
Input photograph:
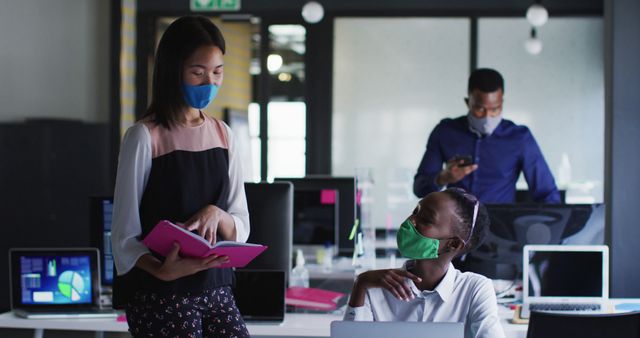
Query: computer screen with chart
(50, 277)
(55, 279)
(515, 225)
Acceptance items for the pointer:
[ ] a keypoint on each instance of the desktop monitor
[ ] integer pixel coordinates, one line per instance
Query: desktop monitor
(101, 210)
(342, 190)
(515, 225)
(270, 214)
(315, 216)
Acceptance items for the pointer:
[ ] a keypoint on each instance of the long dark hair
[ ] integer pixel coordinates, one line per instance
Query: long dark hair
(179, 41)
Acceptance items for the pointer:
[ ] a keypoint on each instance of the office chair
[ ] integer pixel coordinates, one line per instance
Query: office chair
(555, 325)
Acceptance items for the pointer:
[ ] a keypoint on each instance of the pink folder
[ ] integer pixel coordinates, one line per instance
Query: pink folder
(165, 233)
(312, 298)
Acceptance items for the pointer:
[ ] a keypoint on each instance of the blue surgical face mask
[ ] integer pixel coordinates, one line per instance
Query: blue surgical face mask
(484, 125)
(199, 96)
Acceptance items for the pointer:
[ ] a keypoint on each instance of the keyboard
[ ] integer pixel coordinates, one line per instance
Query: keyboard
(564, 307)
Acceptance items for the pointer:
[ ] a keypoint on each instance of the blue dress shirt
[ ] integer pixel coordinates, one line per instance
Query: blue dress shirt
(500, 156)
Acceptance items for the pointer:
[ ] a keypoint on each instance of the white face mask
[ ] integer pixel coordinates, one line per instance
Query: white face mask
(485, 125)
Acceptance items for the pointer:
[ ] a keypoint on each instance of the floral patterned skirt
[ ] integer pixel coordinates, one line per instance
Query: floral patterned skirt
(212, 313)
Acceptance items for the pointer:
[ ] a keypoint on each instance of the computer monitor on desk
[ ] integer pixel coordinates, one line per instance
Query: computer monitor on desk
(270, 214)
(101, 211)
(315, 217)
(327, 196)
(515, 225)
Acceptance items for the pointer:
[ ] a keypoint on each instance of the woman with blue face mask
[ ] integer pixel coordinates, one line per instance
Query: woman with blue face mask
(429, 288)
(181, 165)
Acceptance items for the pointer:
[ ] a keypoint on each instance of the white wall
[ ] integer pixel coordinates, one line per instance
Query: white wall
(54, 59)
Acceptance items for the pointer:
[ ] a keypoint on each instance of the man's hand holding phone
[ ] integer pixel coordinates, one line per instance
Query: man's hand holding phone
(462, 160)
(458, 167)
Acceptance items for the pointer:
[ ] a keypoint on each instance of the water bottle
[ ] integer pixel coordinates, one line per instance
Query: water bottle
(327, 261)
(299, 274)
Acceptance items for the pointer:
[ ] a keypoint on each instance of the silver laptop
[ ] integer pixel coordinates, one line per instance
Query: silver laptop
(565, 278)
(347, 329)
(56, 283)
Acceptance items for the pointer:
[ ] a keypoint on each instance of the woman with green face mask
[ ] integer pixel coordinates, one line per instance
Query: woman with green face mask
(444, 225)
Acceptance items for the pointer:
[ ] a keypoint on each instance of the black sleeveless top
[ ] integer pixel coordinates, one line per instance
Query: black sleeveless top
(184, 178)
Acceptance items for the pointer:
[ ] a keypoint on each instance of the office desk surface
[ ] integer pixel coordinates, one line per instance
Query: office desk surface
(294, 325)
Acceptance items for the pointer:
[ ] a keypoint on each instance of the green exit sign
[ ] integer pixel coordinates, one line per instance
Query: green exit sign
(215, 5)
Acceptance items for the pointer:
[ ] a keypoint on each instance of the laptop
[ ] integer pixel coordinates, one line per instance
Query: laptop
(259, 295)
(53, 283)
(348, 329)
(565, 278)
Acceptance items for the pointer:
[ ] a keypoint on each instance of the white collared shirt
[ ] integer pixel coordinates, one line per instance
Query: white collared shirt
(460, 297)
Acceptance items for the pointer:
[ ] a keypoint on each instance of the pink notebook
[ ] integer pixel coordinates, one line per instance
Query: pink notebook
(165, 233)
(312, 298)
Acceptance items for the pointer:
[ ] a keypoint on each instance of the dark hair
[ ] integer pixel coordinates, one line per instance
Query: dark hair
(179, 41)
(486, 80)
(465, 204)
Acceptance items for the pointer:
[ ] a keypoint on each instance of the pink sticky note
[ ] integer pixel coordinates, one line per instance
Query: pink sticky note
(327, 196)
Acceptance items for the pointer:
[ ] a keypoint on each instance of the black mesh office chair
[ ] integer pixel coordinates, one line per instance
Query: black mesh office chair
(555, 325)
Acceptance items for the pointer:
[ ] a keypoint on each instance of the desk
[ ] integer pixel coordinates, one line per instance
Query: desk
(294, 325)
(9, 320)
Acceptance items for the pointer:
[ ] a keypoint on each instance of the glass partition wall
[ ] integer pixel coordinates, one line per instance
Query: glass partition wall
(396, 78)
(558, 94)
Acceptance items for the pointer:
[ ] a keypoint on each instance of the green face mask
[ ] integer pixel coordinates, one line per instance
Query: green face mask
(415, 246)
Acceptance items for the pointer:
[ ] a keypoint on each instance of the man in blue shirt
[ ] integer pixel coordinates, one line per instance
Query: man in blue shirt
(484, 153)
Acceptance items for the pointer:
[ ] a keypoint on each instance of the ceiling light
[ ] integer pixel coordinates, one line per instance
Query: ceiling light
(537, 15)
(533, 45)
(312, 12)
(254, 67)
(284, 77)
(274, 62)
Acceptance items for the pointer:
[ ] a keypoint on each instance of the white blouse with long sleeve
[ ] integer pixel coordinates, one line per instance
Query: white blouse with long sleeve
(139, 146)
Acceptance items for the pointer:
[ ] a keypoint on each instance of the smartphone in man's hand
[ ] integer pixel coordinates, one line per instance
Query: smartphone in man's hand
(463, 160)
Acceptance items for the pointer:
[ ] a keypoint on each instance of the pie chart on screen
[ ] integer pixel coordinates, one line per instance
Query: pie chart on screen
(71, 285)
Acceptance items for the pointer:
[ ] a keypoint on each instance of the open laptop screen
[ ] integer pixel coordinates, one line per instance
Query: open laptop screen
(565, 273)
(45, 278)
(259, 295)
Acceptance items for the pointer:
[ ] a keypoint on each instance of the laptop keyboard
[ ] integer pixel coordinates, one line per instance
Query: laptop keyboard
(564, 307)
